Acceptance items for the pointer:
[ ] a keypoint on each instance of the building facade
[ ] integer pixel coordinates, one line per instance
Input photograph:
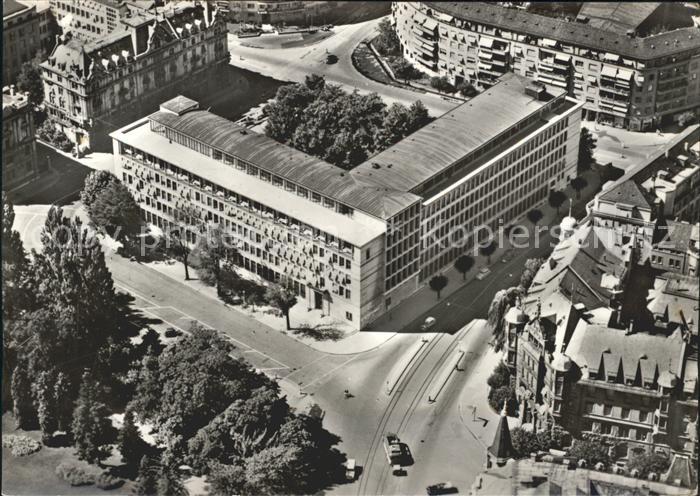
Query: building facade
(90, 20)
(20, 38)
(19, 161)
(624, 80)
(354, 243)
(277, 12)
(86, 82)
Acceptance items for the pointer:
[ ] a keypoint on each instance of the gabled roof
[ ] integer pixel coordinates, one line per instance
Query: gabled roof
(628, 193)
(10, 7)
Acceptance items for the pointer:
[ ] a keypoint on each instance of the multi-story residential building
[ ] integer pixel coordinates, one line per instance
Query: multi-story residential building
(676, 247)
(19, 162)
(48, 28)
(595, 358)
(20, 38)
(86, 83)
(277, 11)
(676, 186)
(356, 243)
(90, 20)
(626, 80)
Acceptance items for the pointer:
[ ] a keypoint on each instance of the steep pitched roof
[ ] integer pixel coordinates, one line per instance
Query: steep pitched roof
(502, 447)
(617, 17)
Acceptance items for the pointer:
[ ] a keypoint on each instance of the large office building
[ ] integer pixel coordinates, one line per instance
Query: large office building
(277, 11)
(20, 37)
(628, 71)
(356, 243)
(85, 83)
(19, 161)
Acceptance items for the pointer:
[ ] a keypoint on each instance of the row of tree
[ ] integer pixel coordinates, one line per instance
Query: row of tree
(342, 128)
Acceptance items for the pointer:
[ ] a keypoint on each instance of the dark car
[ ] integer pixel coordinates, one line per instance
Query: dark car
(331, 59)
(441, 488)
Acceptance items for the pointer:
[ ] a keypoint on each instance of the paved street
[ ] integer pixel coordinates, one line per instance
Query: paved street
(294, 64)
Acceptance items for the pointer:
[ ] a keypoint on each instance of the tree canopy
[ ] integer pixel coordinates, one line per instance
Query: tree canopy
(283, 297)
(387, 42)
(115, 212)
(463, 264)
(437, 283)
(29, 80)
(342, 128)
(586, 147)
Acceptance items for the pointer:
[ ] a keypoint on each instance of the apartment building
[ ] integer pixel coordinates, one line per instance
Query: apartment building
(278, 11)
(676, 186)
(85, 83)
(355, 243)
(624, 79)
(19, 162)
(90, 20)
(20, 38)
(592, 355)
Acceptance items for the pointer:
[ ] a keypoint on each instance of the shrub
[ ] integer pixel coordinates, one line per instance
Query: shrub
(106, 481)
(648, 462)
(20, 445)
(74, 475)
(171, 332)
(592, 450)
(442, 84)
(500, 376)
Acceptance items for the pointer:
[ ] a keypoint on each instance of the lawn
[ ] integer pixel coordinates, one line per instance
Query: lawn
(35, 474)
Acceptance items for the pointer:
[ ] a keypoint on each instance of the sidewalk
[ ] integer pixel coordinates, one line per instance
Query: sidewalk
(351, 344)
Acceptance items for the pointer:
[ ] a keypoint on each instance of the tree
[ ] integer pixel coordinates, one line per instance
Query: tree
(387, 42)
(271, 471)
(466, 89)
(593, 450)
(131, 446)
(487, 250)
(46, 405)
(15, 293)
(463, 264)
(647, 463)
(502, 300)
(437, 283)
(147, 480)
(553, 437)
(283, 297)
(29, 80)
(556, 199)
(187, 224)
(534, 216)
(503, 395)
(91, 427)
(170, 484)
(285, 113)
(214, 247)
(115, 212)
(500, 376)
(524, 442)
(225, 480)
(64, 394)
(22, 399)
(578, 183)
(49, 131)
(95, 183)
(403, 69)
(532, 265)
(586, 147)
(442, 84)
(315, 82)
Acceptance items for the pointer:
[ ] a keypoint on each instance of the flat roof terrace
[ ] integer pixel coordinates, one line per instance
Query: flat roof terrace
(429, 151)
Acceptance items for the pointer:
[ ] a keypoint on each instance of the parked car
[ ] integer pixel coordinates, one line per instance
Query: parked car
(483, 273)
(429, 322)
(331, 58)
(350, 469)
(441, 488)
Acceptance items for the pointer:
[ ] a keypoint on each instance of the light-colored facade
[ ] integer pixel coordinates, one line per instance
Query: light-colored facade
(20, 38)
(627, 81)
(86, 82)
(276, 12)
(90, 20)
(354, 243)
(677, 188)
(19, 162)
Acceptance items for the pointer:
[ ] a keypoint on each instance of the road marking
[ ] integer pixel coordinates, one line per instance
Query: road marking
(230, 338)
(331, 371)
(310, 363)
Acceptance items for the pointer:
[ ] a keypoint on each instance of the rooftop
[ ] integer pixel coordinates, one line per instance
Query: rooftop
(433, 148)
(380, 201)
(11, 7)
(12, 102)
(585, 35)
(617, 16)
(627, 193)
(356, 230)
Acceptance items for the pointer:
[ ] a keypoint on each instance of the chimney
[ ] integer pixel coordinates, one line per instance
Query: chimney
(12, 90)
